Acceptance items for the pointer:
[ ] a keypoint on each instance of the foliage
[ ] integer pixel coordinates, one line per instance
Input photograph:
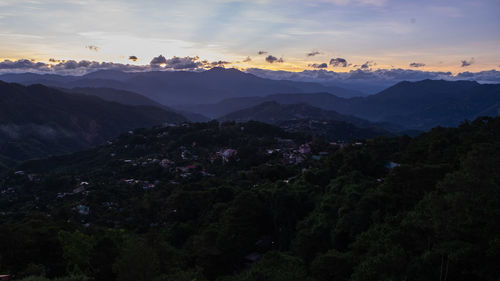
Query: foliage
(256, 215)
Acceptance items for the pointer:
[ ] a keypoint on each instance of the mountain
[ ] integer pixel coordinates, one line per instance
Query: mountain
(411, 105)
(37, 121)
(119, 96)
(272, 112)
(226, 106)
(426, 104)
(180, 87)
(131, 98)
(302, 117)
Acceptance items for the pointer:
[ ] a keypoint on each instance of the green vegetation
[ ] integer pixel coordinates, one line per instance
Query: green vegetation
(37, 121)
(234, 202)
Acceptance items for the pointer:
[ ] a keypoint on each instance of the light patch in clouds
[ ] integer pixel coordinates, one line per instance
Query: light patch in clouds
(358, 2)
(447, 11)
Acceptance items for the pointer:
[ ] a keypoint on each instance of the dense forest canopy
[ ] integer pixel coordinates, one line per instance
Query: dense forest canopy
(249, 201)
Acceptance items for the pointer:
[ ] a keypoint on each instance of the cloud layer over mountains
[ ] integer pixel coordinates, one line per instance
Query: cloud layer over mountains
(363, 75)
(492, 76)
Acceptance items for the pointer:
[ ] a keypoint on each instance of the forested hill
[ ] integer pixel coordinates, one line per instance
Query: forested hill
(38, 121)
(247, 202)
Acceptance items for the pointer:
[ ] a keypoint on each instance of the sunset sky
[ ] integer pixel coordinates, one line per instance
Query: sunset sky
(434, 35)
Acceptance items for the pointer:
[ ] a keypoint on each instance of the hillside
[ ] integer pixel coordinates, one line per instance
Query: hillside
(131, 98)
(272, 112)
(180, 87)
(411, 105)
(248, 201)
(38, 121)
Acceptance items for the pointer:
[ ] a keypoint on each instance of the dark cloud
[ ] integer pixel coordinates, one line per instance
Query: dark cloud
(336, 62)
(321, 65)
(92, 48)
(133, 58)
(23, 64)
(313, 53)
(248, 59)
(185, 63)
(367, 65)
(417, 64)
(219, 63)
(262, 53)
(466, 63)
(273, 59)
(156, 61)
(66, 67)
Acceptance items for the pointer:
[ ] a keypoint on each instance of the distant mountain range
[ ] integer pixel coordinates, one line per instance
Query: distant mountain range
(37, 121)
(180, 87)
(411, 105)
(131, 98)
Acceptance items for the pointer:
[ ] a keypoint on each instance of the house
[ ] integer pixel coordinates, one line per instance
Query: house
(305, 148)
(227, 154)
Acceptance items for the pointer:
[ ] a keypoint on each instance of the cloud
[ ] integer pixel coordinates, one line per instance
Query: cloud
(273, 59)
(92, 48)
(336, 62)
(65, 67)
(84, 66)
(156, 61)
(321, 65)
(23, 64)
(417, 64)
(466, 63)
(367, 65)
(219, 63)
(185, 63)
(390, 76)
(248, 59)
(262, 53)
(133, 58)
(313, 53)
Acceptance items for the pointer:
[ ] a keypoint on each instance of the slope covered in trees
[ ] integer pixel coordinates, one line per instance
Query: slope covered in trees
(234, 202)
(38, 121)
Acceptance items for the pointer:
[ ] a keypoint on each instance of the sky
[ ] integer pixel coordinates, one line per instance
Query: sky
(293, 35)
